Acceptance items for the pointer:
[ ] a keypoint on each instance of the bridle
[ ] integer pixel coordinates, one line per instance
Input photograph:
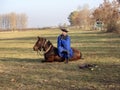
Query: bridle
(42, 49)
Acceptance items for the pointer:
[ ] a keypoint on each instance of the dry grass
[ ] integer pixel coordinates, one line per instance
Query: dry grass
(21, 67)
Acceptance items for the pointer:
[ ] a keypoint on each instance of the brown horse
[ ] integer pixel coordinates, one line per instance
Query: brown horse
(51, 52)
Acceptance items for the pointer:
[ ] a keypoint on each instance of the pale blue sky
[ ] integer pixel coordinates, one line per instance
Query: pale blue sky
(42, 13)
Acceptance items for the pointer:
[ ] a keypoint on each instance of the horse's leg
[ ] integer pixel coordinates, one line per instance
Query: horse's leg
(58, 59)
(54, 58)
(48, 58)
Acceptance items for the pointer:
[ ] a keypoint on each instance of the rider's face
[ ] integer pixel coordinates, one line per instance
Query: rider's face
(64, 33)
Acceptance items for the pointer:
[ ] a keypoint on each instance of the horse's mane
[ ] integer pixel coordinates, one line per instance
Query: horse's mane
(47, 40)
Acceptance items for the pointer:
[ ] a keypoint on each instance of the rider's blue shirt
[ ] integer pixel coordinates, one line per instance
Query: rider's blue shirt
(63, 44)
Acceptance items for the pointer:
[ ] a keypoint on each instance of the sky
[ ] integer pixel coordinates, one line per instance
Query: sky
(45, 13)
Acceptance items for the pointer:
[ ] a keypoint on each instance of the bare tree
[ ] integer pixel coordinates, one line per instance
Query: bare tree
(0, 21)
(73, 18)
(23, 20)
(80, 17)
(108, 13)
(13, 21)
(84, 17)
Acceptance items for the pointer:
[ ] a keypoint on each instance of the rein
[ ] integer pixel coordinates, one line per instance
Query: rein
(48, 49)
(40, 53)
(44, 51)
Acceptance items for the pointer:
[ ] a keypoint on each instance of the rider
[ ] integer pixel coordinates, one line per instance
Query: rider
(63, 45)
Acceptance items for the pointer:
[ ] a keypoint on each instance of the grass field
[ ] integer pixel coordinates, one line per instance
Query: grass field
(21, 68)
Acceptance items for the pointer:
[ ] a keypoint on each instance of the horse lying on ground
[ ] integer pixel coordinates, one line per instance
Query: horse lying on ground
(51, 52)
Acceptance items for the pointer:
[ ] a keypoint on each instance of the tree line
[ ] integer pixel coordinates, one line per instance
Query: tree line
(106, 16)
(13, 21)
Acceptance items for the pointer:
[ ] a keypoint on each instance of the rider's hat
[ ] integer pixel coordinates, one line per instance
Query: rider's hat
(64, 30)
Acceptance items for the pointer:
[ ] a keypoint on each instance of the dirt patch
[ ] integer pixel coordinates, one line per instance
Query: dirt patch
(2, 68)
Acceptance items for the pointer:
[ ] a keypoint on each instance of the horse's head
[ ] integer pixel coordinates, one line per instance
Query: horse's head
(39, 44)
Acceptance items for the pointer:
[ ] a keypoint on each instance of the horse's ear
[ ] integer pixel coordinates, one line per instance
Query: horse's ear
(38, 37)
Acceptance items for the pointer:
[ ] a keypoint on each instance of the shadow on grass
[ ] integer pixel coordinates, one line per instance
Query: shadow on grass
(26, 60)
(22, 38)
